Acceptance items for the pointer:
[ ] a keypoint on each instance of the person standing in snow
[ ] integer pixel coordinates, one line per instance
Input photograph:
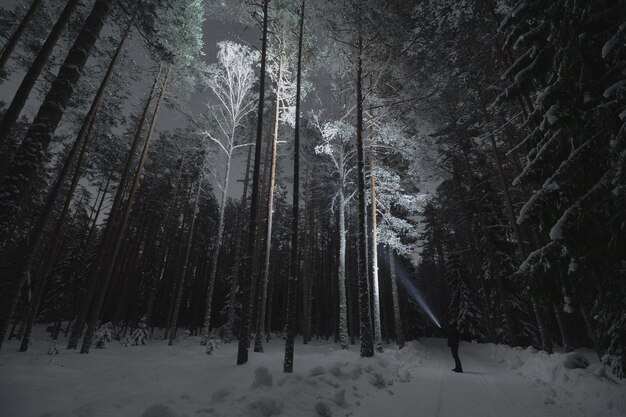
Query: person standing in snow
(453, 342)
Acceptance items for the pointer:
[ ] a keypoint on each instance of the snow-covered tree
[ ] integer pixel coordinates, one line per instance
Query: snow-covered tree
(231, 81)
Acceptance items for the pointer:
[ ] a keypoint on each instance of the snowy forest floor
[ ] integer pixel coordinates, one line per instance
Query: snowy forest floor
(161, 381)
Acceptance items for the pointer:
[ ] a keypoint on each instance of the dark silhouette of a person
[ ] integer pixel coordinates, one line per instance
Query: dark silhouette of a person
(453, 342)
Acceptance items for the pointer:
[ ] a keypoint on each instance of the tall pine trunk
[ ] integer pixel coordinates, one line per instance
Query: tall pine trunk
(183, 274)
(397, 318)
(117, 201)
(262, 296)
(12, 42)
(367, 344)
(229, 334)
(539, 317)
(28, 82)
(79, 144)
(29, 158)
(248, 282)
(374, 260)
(54, 252)
(100, 295)
(295, 264)
(343, 308)
(206, 325)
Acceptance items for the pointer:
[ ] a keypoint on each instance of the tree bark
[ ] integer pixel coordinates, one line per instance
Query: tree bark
(374, 259)
(397, 319)
(367, 345)
(40, 284)
(295, 264)
(246, 311)
(262, 296)
(12, 42)
(28, 82)
(99, 301)
(79, 144)
(183, 274)
(343, 309)
(206, 325)
(15, 185)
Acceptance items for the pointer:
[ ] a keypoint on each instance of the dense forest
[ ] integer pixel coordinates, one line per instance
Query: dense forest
(359, 171)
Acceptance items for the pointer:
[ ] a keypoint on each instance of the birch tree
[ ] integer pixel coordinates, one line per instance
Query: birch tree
(231, 82)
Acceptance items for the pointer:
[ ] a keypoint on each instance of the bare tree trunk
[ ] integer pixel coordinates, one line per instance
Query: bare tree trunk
(181, 285)
(45, 217)
(246, 311)
(343, 308)
(117, 201)
(40, 284)
(295, 263)
(99, 301)
(28, 82)
(543, 331)
(12, 42)
(591, 331)
(15, 185)
(367, 344)
(397, 319)
(568, 345)
(262, 304)
(374, 259)
(206, 326)
(234, 283)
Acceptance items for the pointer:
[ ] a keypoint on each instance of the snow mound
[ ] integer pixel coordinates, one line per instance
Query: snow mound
(575, 361)
(577, 379)
(262, 377)
(266, 407)
(159, 410)
(157, 380)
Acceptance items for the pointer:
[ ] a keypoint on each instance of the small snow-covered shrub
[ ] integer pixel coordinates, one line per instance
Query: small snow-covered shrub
(615, 364)
(211, 345)
(103, 335)
(140, 335)
(53, 349)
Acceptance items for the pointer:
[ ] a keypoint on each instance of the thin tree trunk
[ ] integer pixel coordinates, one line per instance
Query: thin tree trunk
(367, 345)
(81, 141)
(117, 201)
(232, 296)
(54, 252)
(591, 331)
(99, 301)
(206, 325)
(28, 82)
(295, 264)
(543, 332)
(79, 144)
(378, 343)
(343, 308)
(16, 184)
(12, 42)
(541, 325)
(568, 346)
(181, 285)
(397, 319)
(246, 311)
(262, 302)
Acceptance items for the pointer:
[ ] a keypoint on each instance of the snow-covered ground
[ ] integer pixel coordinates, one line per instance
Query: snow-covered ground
(161, 381)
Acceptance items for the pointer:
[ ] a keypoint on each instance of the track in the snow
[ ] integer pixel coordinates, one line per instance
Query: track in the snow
(486, 389)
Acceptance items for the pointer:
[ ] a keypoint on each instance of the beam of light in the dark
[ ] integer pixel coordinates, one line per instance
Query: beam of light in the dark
(414, 293)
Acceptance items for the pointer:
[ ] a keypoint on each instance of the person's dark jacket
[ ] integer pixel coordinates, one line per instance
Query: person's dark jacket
(453, 337)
